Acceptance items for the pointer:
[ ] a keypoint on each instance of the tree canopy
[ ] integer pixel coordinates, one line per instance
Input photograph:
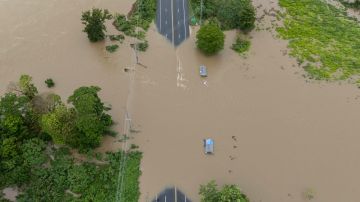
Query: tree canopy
(210, 39)
(228, 193)
(94, 23)
(232, 14)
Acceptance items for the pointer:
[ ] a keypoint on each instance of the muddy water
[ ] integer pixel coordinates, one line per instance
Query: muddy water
(45, 39)
(275, 134)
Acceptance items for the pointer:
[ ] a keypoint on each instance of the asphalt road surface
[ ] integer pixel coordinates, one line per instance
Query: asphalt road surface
(173, 20)
(168, 195)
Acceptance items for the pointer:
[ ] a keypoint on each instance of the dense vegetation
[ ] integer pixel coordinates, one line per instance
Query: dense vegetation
(241, 45)
(30, 124)
(323, 38)
(351, 3)
(112, 48)
(49, 83)
(228, 193)
(232, 14)
(94, 23)
(210, 39)
(137, 22)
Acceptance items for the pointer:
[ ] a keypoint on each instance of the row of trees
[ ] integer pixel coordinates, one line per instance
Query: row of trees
(222, 15)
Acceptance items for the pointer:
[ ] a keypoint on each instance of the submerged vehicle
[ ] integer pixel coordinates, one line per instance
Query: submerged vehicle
(203, 71)
(209, 146)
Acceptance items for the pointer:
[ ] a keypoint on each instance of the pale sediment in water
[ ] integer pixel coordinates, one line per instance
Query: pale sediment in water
(276, 135)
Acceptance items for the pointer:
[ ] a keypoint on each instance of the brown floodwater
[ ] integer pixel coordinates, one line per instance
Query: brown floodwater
(276, 133)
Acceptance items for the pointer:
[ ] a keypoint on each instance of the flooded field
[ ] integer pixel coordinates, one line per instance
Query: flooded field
(276, 133)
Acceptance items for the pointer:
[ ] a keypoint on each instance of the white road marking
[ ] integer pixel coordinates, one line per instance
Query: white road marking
(184, 18)
(178, 10)
(172, 20)
(205, 83)
(180, 79)
(179, 36)
(178, 22)
(165, 22)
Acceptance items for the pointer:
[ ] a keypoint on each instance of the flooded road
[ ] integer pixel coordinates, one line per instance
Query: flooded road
(276, 134)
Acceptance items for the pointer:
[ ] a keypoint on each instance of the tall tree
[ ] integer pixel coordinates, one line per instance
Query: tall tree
(91, 120)
(27, 87)
(236, 14)
(94, 23)
(59, 124)
(210, 39)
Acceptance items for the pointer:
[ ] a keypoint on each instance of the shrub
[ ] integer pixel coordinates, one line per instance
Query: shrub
(142, 46)
(49, 83)
(118, 37)
(112, 48)
(241, 45)
(210, 39)
(232, 14)
(211, 193)
(94, 23)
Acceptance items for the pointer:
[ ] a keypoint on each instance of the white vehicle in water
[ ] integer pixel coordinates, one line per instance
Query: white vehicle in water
(209, 146)
(203, 71)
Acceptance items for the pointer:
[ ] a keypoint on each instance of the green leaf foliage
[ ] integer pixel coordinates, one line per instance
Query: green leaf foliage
(94, 23)
(322, 37)
(228, 193)
(49, 83)
(232, 14)
(210, 39)
(91, 121)
(44, 173)
(112, 48)
(241, 45)
(59, 124)
(32, 152)
(27, 87)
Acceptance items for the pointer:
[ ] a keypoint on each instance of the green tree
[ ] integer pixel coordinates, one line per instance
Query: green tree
(32, 152)
(91, 120)
(210, 39)
(231, 193)
(27, 87)
(59, 124)
(228, 193)
(94, 23)
(16, 117)
(236, 14)
(9, 153)
(209, 192)
(246, 16)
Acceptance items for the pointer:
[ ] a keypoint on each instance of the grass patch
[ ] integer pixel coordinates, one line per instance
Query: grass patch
(241, 46)
(323, 39)
(112, 48)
